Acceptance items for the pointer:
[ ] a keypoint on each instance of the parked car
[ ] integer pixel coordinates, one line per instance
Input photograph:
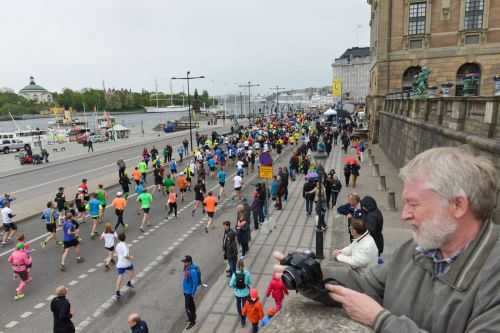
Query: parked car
(8, 145)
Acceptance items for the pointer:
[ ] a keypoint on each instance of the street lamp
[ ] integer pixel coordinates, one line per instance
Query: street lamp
(188, 78)
(248, 85)
(277, 88)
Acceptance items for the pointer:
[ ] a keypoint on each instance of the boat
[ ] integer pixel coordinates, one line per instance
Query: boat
(164, 109)
(30, 136)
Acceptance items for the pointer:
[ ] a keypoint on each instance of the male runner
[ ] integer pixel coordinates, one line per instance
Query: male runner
(145, 199)
(50, 216)
(209, 203)
(124, 263)
(70, 240)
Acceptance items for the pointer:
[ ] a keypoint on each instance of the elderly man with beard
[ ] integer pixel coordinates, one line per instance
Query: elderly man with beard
(446, 279)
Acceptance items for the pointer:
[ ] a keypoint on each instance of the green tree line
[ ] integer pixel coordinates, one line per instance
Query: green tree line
(112, 100)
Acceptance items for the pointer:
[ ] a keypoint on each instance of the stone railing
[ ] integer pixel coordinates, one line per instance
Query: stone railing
(301, 315)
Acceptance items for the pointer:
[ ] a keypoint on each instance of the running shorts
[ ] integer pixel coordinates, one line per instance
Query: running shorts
(122, 271)
(71, 243)
(237, 189)
(23, 275)
(222, 184)
(9, 226)
(110, 248)
(146, 210)
(210, 214)
(51, 227)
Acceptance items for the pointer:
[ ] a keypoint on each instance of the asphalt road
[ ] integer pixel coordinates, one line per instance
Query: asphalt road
(158, 292)
(34, 188)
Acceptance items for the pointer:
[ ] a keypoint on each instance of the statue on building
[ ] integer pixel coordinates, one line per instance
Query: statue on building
(421, 83)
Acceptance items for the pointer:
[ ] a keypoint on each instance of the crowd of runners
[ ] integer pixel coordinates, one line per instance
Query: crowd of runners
(160, 178)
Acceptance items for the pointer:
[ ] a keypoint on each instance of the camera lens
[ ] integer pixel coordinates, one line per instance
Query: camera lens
(289, 280)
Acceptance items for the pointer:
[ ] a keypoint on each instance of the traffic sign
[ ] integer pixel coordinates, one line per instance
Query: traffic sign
(266, 172)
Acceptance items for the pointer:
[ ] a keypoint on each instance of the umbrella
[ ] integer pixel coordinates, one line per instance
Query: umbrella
(350, 160)
(312, 175)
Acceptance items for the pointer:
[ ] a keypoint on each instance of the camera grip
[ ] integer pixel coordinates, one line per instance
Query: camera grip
(320, 294)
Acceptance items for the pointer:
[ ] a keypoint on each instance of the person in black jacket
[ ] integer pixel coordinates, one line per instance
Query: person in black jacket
(347, 174)
(61, 310)
(136, 324)
(230, 247)
(374, 220)
(308, 193)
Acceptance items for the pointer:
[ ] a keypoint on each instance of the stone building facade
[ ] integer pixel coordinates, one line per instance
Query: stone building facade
(353, 68)
(453, 38)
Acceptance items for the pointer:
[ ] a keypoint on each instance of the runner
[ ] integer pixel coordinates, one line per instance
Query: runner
(237, 184)
(168, 183)
(60, 200)
(109, 237)
(102, 196)
(189, 172)
(136, 175)
(70, 234)
(240, 170)
(20, 261)
(80, 205)
(209, 203)
(199, 192)
(119, 204)
(157, 174)
(171, 202)
(9, 226)
(50, 216)
(173, 167)
(221, 176)
(143, 169)
(124, 264)
(145, 200)
(211, 166)
(182, 184)
(94, 208)
(85, 188)
(125, 182)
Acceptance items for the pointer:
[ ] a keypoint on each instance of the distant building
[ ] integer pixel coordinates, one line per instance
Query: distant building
(353, 68)
(36, 93)
(455, 39)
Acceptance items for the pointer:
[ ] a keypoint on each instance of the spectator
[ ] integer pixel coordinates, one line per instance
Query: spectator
(374, 221)
(277, 290)
(241, 282)
(61, 309)
(308, 193)
(136, 324)
(444, 279)
(230, 247)
(362, 252)
(253, 310)
(350, 209)
(191, 282)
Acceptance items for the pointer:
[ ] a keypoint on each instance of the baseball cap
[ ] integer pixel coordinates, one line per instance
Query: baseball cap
(187, 258)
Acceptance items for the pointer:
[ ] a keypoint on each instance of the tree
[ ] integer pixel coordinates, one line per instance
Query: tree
(196, 104)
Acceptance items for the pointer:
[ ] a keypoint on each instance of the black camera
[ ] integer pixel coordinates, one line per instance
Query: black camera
(303, 274)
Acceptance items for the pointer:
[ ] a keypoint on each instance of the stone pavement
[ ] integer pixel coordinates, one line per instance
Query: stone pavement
(291, 229)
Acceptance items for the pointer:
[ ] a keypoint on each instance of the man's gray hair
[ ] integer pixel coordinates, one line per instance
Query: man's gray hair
(454, 172)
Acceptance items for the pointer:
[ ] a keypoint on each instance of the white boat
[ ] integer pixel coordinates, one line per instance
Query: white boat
(164, 109)
(33, 137)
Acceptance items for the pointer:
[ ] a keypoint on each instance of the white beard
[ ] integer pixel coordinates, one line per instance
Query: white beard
(434, 232)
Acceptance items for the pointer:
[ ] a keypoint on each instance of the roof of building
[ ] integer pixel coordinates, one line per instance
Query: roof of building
(33, 87)
(356, 52)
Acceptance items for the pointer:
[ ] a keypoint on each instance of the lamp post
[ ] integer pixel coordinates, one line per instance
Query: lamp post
(188, 78)
(277, 89)
(249, 85)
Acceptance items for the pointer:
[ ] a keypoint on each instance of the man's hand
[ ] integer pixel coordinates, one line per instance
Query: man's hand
(360, 307)
(336, 252)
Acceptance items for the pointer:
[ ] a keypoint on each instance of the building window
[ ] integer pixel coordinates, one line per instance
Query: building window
(474, 11)
(417, 18)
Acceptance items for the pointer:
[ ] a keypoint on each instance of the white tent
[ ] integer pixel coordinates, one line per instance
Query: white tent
(330, 112)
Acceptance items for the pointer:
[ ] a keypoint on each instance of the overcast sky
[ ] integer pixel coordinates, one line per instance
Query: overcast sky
(129, 43)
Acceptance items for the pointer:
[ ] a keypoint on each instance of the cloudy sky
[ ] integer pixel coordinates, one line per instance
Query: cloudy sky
(129, 43)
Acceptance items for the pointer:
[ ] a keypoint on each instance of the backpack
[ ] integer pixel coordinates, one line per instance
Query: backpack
(240, 280)
(199, 275)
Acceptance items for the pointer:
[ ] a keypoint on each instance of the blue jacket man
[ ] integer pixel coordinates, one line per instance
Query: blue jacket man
(190, 283)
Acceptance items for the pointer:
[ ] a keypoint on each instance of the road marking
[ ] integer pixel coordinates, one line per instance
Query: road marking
(92, 270)
(11, 324)
(100, 264)
(166, 253)
(159, 258)
(39, 305)
(185, 235)
(72, 283)
(50, 297)
(26, 314)
(170, 248)
(175, 243)
(135, 241)
(83, 276)
(141, 275)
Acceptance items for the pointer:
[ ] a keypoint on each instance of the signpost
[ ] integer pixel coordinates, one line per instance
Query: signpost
(266, 172)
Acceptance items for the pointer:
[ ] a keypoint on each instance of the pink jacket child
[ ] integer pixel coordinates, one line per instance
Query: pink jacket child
(20, 261)
(277, 290)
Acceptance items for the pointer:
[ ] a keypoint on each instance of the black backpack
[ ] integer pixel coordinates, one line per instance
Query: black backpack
(240, 280)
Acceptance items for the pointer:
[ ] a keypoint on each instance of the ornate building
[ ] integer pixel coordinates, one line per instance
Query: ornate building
(36, 93)
(455, 39)
(353, 68)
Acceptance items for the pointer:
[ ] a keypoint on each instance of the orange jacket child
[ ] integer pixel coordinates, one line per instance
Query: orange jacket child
(253, 309)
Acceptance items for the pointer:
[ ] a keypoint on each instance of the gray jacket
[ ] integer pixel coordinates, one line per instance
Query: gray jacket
(465, 299)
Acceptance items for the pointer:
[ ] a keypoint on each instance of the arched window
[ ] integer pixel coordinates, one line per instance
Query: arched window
(409, 77)
(468, 82)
